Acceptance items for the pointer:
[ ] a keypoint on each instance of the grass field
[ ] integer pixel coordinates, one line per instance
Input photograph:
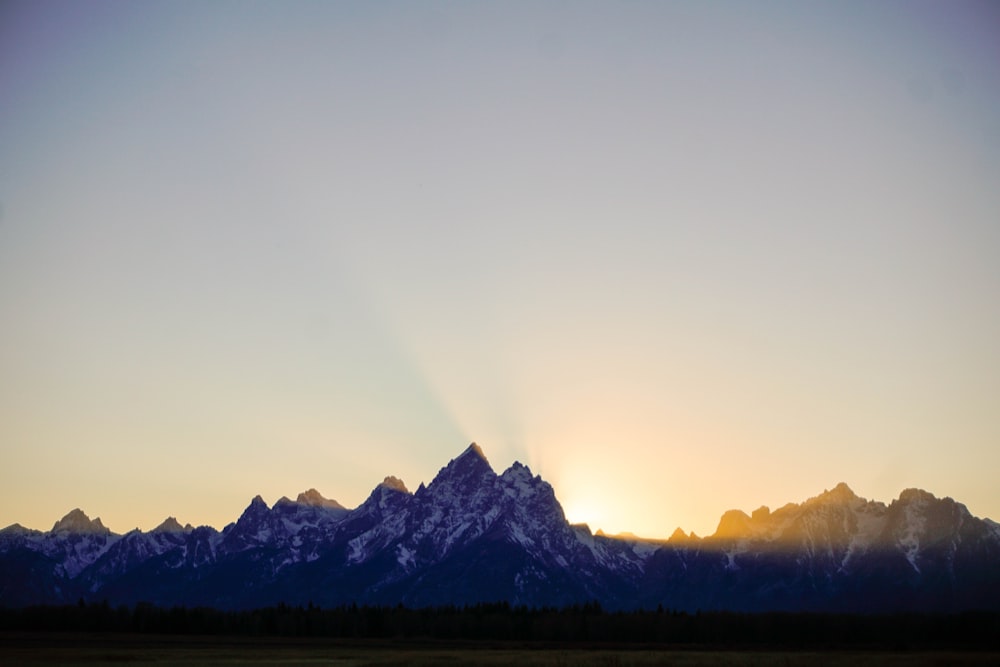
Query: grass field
(81, 650)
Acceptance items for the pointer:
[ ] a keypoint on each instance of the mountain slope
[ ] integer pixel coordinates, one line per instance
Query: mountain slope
(472, 535)
(835, 552)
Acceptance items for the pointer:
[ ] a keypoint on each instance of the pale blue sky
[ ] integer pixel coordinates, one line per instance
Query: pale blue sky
(676, 257)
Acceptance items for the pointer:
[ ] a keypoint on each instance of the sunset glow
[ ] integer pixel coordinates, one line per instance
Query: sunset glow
(675, 257)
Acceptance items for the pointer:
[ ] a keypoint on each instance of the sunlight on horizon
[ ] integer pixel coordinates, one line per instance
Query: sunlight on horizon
(676, 258)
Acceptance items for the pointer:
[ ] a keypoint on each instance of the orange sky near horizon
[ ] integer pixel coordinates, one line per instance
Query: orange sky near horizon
(677, 258)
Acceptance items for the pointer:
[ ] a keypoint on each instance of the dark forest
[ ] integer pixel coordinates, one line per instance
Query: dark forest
(586, 624)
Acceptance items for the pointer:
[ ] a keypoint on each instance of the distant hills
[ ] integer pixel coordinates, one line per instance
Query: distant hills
(473, 536)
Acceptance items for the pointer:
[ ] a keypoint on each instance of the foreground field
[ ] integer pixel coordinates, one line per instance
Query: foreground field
(82, 650)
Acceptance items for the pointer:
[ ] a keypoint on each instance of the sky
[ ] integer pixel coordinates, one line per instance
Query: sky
(676, 257)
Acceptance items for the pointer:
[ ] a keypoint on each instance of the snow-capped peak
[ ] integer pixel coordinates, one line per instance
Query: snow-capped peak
(78, 522)
(519, 482)
(473, 535)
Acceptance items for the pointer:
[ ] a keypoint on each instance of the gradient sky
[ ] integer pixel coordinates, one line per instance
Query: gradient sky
(676, 257)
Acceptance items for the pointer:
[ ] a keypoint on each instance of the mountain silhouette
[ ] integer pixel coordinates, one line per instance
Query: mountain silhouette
(472, 535)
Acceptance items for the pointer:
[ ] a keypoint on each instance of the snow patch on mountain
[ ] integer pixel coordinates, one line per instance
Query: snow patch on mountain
(870, 523)
(405, 557)
(914, 526)
(472, 532)
(993, 526)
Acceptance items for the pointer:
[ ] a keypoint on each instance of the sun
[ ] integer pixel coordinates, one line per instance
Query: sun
(582, 505)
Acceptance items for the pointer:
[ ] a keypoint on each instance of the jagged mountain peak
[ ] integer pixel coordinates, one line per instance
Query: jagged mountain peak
(315, 498)
(678, 536)
(256, 509)
(841, 493)
(474, 450)
(793, 521)
(469, 466)
(921, 506)
(389, 496)
(916, 496)
(472, 457)
(18, 529)
(76, 521)
(733, 524)
(393, 483)
(518, 467)
(472, 535)
(170, 525)
(518, 482)
(518, 470)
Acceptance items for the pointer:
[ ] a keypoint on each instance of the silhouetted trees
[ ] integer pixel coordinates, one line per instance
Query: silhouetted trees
(586, 624)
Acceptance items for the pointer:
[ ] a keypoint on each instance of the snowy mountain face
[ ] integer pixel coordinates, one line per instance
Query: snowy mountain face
(472, 535)
(837, 551)
(76, 542)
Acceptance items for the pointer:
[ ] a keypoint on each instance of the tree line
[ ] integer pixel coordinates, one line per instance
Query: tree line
(576, 624)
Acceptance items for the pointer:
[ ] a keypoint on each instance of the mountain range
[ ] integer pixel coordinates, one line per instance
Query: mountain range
(472, 535)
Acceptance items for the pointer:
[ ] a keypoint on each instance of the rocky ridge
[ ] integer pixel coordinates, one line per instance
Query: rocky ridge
(471, 535)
